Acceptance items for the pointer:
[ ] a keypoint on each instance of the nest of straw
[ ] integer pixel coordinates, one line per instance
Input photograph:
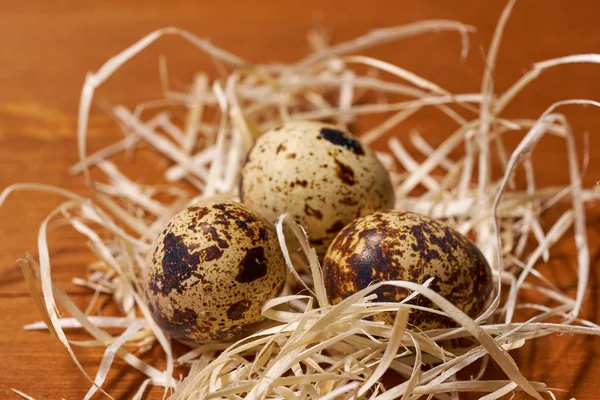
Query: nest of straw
(314, 349)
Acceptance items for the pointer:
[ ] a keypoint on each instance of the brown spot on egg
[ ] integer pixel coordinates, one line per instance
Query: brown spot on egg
(263, 234)
(337, 225)
(199, 213)
(421, 246)
(237, 310)
(349, 201)
(253, 266)
(339, 138)
(344, 172)
(181, 320)
(185, 317)
(220, 206)
(211, 231)
(211, 253)
(280, 148)
(177, 266)
(311, 212)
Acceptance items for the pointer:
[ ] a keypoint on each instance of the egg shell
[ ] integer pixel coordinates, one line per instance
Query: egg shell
(396, 245)
(211, 270)
(322, 176)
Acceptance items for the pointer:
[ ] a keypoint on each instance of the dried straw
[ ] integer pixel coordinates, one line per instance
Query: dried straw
(315, 349)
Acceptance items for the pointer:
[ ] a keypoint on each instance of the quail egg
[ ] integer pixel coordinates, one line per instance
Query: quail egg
(395, 245)
(322, 176)
(211, 270)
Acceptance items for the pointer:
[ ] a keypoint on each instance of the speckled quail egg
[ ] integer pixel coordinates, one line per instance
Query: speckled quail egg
(211, 270)
(395, 245)
(322, 176)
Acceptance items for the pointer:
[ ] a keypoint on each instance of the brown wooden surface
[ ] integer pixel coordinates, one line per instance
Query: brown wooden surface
(47, 47)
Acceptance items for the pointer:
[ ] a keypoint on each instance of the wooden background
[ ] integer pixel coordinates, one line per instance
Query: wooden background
(47, 47)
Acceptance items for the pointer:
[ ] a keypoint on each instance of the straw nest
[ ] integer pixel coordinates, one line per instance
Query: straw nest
(314, 349)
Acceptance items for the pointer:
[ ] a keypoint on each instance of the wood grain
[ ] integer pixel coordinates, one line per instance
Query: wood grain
(47, 47)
